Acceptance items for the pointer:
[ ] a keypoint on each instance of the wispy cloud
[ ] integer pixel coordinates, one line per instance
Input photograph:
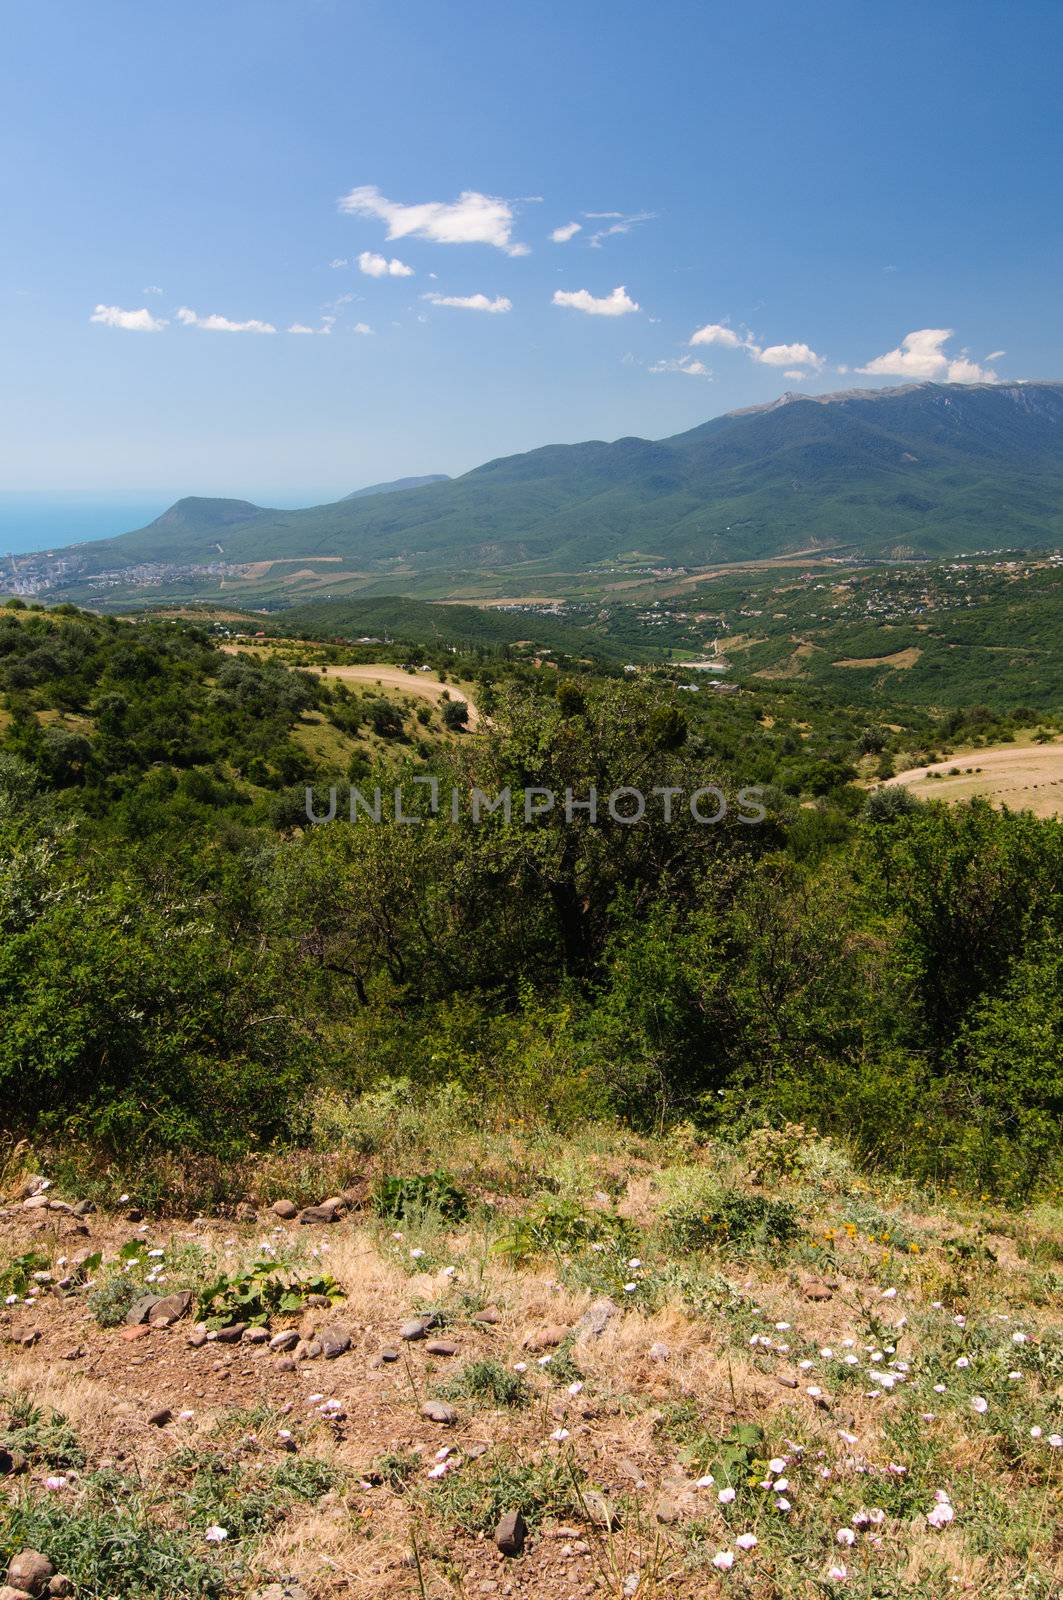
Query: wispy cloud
(375, 266)
(216, 324)
(472, 218)
(151, 288)
(140, 321)
(716, 333)
(617, 304)
(619, 223)
(362, 327)
(569, 231)
(470, 302)
(686, 364)
(299, 327)
(920, 356)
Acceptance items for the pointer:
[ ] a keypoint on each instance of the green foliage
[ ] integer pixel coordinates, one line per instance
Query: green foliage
(558, 1226)
(16, 1277)
(260, 1292)
(472, 1501)
(489, 1383)
(732, 1219)
(398, 1197)
(42, 1435)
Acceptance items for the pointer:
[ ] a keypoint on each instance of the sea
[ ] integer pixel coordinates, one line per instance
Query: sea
(46, 521)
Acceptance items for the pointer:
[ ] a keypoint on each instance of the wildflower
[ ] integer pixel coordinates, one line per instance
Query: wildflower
(980, 1404)
(1056, 1441)
(1015, 1377)
(56, 1483)
(156, 1255)
(634, 1264)
(939, 1388)
(1035, 1433)
(438, 1470)
(544, 1361)
(520, 1366)
(846, 1438)
(746, 1541)
(781, 1485)
(777, 1464)
(941, 1515)
(575, 1388)
(782, 1504)
(838, 1574)
(725, 1496)
(1019, 1338)
(724, 1559)
(560, 1434)
(216, 1535)
(629, 1288)
(706, 1482)
(449, 1272)
(889, 1294)
(782, 1327)
(827, 1353)
(845, 1536)
(416, 1254)
(962, 1362)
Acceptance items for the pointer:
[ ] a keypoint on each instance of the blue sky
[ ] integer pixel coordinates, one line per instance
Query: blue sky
(800, 188)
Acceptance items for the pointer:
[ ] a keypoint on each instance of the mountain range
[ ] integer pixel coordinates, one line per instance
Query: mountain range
(925, 469)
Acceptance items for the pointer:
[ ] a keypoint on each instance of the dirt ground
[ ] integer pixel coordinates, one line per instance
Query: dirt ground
(1023, 777)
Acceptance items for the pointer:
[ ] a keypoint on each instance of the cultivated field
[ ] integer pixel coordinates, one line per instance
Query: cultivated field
(1025, 778)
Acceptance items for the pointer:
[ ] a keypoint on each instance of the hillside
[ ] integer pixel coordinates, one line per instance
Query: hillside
(396, 485)
(925, 469)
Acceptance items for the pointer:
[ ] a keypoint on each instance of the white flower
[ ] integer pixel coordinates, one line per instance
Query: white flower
(941, 1515)
(838, 1574)
(520, 1366)
(560, 1434)
(781, 1485)
(575, 1388)
(782, 1327)
(706, 1482)
(156, 1255)
(805, 1366)
(827, 1353)
(939, 1388)
(724, 1559)
(782, 1504)
(629, 1288)
(845, 1536)
(725, 1496)
(889, 1294)
(55, 1483)
(11, 1300)
(416, 1254)
(634, 1264)
(777, 1464)
(449, 1272)
(544, 1361)
(1019, 1338)
(122, 1198)
(961, 1321)
(847, 1438)
(438, 1470)
(814, 1390)
(216, 1535)
(980, 1404)
(1035, 1433)
(1015, 1377)
(1056, 1441)
(962, 1361)
(746, 1541)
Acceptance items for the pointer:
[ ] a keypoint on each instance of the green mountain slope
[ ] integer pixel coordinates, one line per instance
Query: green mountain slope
(396, 485)
(928, 469)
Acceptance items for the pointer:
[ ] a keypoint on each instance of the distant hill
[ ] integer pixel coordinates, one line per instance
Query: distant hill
(929, 469)
(424, 623)
(396, 484)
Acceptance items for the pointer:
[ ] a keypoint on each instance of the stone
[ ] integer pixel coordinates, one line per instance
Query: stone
(595, 1319)
(140, 1310)
(817, 1290)
(547, 1338)
(30, 1570)
(511, 1534)
(439, 1411)
(28, 1340)
(256, 1336)
(245, 1212)
(416, 1328)
(134, 1214)
(11, 1462)
(287, 1590)
(83, 1208)
(476, 1448)
(318, 1214)
(388, 1354)
(659, 1352)
(788, 1383)
(159, 1418)
(489, 1315)
(336, 1202)
(287, 1339)
(285, 1209)
(139, 1331)
(334, 1342)
(286, 1364)
(170, 1308)
(441, 1347)
(666, 1511)
(198, 1337)
(60, 1586)
(232, 1334)
(7, 1593)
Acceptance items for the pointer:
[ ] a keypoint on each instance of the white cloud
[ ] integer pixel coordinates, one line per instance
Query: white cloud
(623, 224)
(470, 302)
(362, 327)
(375, 266)
(569, 231)
(716, 333)
(300, 327)
(794, 374)
(617, 304)
(920, 355)
(995, 355)
(687, 364)
(153, 288)
(216, 324)
(339, 261)
(783, 355)
(140, 321)
(472, 218)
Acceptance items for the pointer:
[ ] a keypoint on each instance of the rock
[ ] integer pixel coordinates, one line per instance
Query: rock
(197, 1337)
(32, 1185)
(256, 1336)
(286, 1340)
(336, 1202)
(388, 1354)
(659, 1352)
(36, 1202)
(60, 1586)
(28, 1340)
(245, 1212)
(232, 1334)
(599, 1509)
(134, 1214)
(140, 1331)
(595, 1319)
(159, 1419)
(489, 1315)
(511, 1533)
(11, 1462)
(286, 1364)
(788, 1383)
(59, 1205)
(74, 1354)
(30, 1570)
(817, 1290)
(439, 1411)
(7, 1593)
(666, 1511)
(288, 1590)
(547, 1338)
(170, 1308)
(334, 1342)
(285, 1209)
(140, 1310)
(441, 1347)
(318, 1214)
(476, 1448)
(83, 1208)
(416, 1328)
